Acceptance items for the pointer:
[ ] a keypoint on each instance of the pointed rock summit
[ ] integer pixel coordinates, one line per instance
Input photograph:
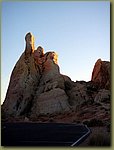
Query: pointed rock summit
(29, 38)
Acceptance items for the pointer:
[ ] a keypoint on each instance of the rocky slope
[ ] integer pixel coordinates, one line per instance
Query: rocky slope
(38, 92)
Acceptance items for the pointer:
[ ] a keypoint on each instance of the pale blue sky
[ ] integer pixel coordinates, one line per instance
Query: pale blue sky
(78, 31)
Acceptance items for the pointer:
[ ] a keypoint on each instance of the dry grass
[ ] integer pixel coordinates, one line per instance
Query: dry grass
(98, 137)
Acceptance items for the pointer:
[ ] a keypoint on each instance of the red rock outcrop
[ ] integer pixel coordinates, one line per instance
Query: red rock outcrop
(101, 74)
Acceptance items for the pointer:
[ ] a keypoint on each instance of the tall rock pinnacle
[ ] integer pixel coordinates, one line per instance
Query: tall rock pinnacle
(24, 79)
(29, 38)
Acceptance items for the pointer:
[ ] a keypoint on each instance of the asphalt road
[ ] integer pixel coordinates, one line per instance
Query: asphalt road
(43, 134)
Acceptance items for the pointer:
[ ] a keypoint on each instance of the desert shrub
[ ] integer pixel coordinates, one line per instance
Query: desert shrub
(105, 100)
(83, 112)
(89, 93)
(33, 118)
(88, 102)
(92, 88)
(99, 139)
(51, 120)
(52, 115)
(98, 104)
(93, 122)
(84, 103)
(86, 122)
(76, 121)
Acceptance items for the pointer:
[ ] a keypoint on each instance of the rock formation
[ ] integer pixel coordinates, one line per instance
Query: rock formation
(103, 97)
(36, 83)
(101, 74)
(23, 82)
(37, 88)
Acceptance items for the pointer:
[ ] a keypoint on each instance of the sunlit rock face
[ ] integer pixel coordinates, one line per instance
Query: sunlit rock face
(101, 74)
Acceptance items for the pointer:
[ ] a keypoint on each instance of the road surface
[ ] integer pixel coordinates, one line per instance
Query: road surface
(43, 134)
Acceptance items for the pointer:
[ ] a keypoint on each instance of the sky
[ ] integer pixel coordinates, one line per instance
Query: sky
(79, 32)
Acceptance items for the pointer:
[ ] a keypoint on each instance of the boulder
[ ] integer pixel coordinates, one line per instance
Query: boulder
(77, 93)
(103, 96)
(51, 102)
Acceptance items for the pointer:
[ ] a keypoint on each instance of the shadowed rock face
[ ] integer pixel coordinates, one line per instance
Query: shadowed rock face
(37, 88)
(101, 74)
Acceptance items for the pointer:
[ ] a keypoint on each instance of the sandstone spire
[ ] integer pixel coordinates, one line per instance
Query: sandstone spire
(24, 78)
(29, 38)
(35, 78)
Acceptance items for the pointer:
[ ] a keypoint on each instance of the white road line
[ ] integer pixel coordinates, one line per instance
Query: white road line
(46, 142)
(81, 137)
